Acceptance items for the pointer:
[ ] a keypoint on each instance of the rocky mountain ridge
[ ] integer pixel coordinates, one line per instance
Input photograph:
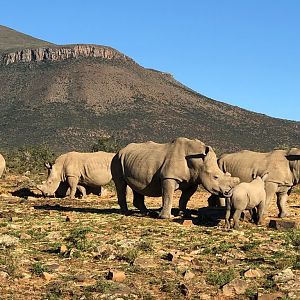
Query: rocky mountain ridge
(59, 53)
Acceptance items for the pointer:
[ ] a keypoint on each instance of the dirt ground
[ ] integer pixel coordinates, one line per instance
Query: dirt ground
(67, 249)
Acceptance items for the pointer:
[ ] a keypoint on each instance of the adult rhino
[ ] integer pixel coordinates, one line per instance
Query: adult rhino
(78, 170)
(283, 167)
(152, 169)
(2, 165)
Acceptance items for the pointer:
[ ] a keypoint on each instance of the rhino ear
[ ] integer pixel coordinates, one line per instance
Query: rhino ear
(48, 165)
(200, 153)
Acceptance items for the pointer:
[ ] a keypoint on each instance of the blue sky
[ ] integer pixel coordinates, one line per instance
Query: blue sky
(242, 52)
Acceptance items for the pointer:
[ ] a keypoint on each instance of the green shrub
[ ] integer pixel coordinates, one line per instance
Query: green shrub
(29, 158)
(106, 144)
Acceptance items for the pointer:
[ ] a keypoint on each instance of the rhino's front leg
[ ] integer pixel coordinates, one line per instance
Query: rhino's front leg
(73, 182)
(168, 188)
(82, 190)
(281, 204)
(260, 212)
(185, 197)
(270, 188)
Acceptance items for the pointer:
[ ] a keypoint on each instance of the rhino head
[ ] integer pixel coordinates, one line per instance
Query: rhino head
(49, 187)
(210, 175)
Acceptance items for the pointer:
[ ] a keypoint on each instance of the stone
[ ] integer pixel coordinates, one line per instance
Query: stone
(283, 224)
(184, 289)
(47, 276)
(3, 275)
(14, 219)
(171, 256)
(53, 267)
(284, 276)
(81, 278)
(253, 273)
(25, 236)
(116, 275)
(188, 275)
(63, 249)
(187, 223)
(235, 287)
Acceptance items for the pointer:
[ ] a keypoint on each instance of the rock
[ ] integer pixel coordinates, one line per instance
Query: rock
(235, 287)
(81, 277)
(54, 236)
(187, 275)
(8, 241)
(116, 275)
(63, 249)
(53, 267)
(47, 276)
(14, 219)
(187, 223)
(26, 275)
(254, 273)
(283, 224)
(284, 276)
(25, 236)
(3, 275)
(272, 296)
(104, 192)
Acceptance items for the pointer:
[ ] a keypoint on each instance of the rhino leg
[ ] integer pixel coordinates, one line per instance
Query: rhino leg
(82, 190)
(185, 197)
(73, 182)
(236, 218)
(228, 213)
(139, 202)
(121, 187)
(270, 188)
(168, 188)
(281, 203)
(260, 212)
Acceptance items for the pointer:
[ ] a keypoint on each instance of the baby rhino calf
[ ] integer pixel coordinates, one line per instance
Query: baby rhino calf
(248, 196)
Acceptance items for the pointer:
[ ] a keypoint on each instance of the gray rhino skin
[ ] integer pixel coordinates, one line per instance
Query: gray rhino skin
(283, 167)
(79, 170)
(155, 170)
(2, 165)
(246, 195)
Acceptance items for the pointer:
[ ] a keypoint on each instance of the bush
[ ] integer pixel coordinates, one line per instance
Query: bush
(29, 158)
(106, 144)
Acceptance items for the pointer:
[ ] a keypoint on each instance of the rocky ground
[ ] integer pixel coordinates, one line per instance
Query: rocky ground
(84, 249)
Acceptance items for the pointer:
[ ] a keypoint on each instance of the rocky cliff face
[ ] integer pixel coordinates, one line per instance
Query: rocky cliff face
(59, 53)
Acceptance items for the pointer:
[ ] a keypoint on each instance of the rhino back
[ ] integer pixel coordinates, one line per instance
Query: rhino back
(141, 164)
(245, 164)
(91, 168)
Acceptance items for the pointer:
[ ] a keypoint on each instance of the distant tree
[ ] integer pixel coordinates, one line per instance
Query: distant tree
(106, 144)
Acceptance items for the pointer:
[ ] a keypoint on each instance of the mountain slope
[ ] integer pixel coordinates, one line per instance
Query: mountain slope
(69, 96)
(11, 39)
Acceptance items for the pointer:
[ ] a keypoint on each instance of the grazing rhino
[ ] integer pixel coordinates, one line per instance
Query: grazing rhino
(79, 170)
(2, 165)
(246, 195)
(283, 167)
(155, 170)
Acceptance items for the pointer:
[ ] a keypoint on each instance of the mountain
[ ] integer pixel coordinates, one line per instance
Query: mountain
(71, 95)
(11, 39)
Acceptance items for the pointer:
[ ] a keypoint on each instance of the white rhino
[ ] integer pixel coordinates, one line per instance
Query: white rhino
(283, 167)
(246, 195)
(79, 170)
(155, 170)
(2, 165)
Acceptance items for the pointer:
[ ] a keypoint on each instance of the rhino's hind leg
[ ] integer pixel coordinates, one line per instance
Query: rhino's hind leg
(82, 190)
(260, 212)
(73, 182)
(121, 187)
(184, 198)
(139, 202)
(236, 218)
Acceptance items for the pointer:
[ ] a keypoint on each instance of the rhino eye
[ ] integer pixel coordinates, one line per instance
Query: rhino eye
(216, 176)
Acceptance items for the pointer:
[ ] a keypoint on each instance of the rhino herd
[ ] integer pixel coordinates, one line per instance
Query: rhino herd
(247, 180)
